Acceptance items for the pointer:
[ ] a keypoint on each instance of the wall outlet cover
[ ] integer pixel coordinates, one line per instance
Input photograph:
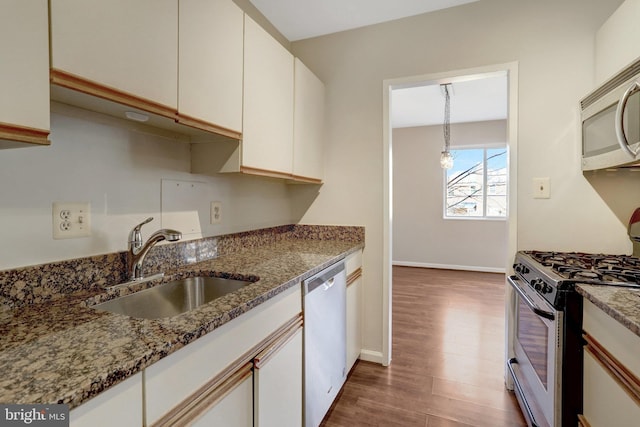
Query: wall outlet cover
(71, 220)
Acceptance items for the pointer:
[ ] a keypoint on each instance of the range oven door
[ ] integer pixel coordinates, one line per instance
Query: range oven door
(537, 348)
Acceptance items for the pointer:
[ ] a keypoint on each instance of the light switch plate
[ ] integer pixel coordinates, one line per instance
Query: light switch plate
(71, 219)
(541, 189)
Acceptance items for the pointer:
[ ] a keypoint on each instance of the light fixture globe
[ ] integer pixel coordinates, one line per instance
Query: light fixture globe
(446, 160)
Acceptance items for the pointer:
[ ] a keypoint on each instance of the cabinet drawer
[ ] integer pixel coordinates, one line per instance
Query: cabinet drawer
(623, 344)
(172, 379)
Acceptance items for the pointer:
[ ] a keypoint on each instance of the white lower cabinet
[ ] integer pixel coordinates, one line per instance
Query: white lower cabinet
(354, 311)
(121, 405)
(207, 380)
(233, 411)
(611, 396)
(278, 383)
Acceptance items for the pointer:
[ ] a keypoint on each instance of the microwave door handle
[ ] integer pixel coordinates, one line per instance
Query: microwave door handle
(537, 310)
(622, 105)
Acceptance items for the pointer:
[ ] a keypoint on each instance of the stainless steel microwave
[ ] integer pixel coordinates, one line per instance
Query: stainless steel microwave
(611, 122)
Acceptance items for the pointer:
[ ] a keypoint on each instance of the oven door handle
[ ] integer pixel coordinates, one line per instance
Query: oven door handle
(537, 310)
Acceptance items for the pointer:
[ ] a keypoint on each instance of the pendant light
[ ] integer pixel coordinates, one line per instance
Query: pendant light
(446, 160)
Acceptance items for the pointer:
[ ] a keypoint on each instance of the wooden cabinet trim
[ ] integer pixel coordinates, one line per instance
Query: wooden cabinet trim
(206, 126)
(306, 179)
(24, 134)
(582, 421)
(625, 378)
(206, 397)
(226, 381)
(355, 275)
(80, 84)
(279, 341)
(275, 174)
(265, 172)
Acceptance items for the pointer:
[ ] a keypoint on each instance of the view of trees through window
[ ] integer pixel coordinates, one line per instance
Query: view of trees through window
(476, 185)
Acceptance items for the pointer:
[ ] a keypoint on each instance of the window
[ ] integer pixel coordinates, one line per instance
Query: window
(476, 185)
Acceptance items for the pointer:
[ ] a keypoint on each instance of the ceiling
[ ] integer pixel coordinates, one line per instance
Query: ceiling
(302, 19)
(474, 100)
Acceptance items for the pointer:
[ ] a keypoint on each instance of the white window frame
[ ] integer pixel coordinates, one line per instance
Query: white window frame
(484, 216)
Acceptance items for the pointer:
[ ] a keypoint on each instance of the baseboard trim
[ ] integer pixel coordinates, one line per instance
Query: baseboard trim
(449, 267)
(371, 356)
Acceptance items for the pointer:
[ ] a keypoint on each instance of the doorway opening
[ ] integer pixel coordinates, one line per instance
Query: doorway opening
(507, 73)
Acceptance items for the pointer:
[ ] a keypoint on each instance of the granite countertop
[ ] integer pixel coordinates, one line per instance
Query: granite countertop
(623, 304)
(63, 351)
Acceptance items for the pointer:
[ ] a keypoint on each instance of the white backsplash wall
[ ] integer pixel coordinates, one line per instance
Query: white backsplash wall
(96, 159)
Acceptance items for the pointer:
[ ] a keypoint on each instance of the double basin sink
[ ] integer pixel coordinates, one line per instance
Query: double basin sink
(172, 298)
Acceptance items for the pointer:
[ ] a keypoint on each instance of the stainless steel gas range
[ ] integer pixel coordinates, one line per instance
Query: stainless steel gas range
(545, 348)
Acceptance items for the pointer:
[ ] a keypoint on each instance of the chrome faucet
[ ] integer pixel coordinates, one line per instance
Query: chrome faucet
(137, 250)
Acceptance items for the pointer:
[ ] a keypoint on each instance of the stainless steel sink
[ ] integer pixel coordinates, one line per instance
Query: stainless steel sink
(172, 298)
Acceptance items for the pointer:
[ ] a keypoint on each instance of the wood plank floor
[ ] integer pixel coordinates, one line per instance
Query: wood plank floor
(447, 367)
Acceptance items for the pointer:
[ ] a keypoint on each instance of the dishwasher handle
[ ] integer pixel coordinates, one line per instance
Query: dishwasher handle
(324, 279)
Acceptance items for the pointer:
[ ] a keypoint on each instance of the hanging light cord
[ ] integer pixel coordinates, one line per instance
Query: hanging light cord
(447, 113)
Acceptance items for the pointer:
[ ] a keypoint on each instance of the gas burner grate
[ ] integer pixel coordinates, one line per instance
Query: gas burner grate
(581, 265)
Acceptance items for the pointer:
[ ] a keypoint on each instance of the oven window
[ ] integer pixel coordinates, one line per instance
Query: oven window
(533, 335)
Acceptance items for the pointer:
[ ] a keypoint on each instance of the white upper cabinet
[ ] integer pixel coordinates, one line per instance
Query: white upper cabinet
(308, 124)
(617, 40)
(268, 104)
(210, 65)
(24, 73)
(122, 50)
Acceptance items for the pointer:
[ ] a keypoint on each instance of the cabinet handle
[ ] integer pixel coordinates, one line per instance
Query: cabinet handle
(205, 398)
(622, 105)
(80, 84)
(625, 378)
(280, 341)
(582, 421)
(353, 276)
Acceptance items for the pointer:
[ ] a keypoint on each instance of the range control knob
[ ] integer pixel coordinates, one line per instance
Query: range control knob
(546, 289)
(538, 284)
(521, 268)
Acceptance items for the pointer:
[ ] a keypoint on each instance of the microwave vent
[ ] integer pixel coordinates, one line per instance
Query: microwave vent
(623, 76)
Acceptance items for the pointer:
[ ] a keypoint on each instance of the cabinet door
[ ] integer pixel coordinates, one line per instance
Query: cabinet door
(353, 264)
(278, 385)
(129, 46)
(605, 402)
(210, 65)
(234, 410)
(267, 143)
(617, 40)
(121, 405)
(354, 335)
(24, 73)
(308, 124)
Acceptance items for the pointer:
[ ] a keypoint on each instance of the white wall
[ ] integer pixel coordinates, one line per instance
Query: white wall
(421, 236)
(120, 172)
(553, 42)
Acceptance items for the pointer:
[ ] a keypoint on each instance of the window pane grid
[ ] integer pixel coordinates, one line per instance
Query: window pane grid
(477, 185)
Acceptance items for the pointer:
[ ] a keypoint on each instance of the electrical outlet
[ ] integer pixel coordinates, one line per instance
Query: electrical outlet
(71, 219)
(541, 188)
(216, 212)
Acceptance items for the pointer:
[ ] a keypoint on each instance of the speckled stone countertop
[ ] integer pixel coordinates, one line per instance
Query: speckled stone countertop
(64, 351)
(623, 304)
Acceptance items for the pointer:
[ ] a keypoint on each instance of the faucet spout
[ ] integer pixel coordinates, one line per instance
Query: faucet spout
(137, 250)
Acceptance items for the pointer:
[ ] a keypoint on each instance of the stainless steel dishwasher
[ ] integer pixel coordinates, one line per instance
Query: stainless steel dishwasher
(325, 340)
